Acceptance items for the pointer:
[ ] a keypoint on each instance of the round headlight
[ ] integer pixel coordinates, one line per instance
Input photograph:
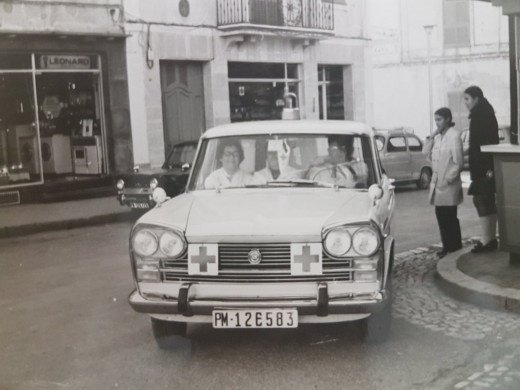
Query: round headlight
(120, 184)
(171, 244)
(159, 195)
(145, 243)
(337, 242)
(154, 183)
(365, 242)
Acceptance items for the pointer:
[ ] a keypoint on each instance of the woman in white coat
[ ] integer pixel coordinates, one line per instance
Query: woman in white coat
(445, 148)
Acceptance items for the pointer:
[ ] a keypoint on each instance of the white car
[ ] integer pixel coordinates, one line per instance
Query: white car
(282, 223)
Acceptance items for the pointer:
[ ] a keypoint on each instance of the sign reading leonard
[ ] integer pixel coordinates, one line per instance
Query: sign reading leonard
(64, 62)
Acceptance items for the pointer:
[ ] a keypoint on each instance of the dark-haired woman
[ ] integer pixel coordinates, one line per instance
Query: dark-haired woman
(483, 130)
(230, 155)
(445, 147)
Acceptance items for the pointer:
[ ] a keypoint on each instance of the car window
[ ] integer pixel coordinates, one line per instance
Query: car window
(182, 154)
(414, 144)
(396, 144)
(380, 142)
(255, 161)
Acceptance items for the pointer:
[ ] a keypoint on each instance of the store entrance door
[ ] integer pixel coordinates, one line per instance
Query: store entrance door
(182, 101)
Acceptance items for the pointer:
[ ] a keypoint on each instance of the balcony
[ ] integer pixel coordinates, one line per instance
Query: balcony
(313, 19)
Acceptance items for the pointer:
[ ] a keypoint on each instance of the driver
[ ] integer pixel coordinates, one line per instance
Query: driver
(230, 155)
(340, 167)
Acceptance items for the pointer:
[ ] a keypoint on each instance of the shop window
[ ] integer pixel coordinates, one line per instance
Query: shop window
(256, 90)
(19, 151)
(331, 96)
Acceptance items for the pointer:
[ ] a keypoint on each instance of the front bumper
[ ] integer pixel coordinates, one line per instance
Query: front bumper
(317, 302)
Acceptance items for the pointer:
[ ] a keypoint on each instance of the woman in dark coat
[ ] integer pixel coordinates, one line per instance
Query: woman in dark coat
(483, 130)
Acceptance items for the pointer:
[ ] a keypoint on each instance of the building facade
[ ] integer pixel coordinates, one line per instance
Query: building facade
(64, 110)
(426, 53)
(194, 64)
(511, 9)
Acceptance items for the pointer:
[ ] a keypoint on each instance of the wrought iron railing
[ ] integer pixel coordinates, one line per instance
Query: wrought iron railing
(310, 14)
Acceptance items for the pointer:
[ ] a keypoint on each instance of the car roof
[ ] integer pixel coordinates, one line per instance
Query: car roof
(289, 127)
(394, 131)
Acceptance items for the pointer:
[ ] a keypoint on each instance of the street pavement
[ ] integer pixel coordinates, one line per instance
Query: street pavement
(485, 279)
(65, 323)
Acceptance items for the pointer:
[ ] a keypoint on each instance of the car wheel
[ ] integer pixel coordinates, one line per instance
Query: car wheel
(425, 179)
(165, 332)
(376, 328)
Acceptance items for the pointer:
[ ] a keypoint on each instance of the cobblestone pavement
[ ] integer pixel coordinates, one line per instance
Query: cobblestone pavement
(419, 300)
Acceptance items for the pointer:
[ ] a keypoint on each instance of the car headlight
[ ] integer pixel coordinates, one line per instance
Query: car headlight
(145, 242)
(338, 242)
(120, 184)
(365, 241)
(154, 183)
(171, 244)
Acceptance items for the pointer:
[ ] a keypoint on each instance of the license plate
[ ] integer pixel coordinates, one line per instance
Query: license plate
(255, 318)
(136, 205)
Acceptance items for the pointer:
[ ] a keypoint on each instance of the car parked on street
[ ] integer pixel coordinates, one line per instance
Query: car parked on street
(135, 188)
(402, 157)
(282, 223)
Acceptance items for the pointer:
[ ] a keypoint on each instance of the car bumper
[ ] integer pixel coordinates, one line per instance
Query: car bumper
(315, 302)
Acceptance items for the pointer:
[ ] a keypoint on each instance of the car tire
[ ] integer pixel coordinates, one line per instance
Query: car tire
(166, 332)
(376, 327)
(424, 179)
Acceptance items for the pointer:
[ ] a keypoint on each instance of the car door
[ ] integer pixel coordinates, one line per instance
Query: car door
(396, 159)
(417, 157)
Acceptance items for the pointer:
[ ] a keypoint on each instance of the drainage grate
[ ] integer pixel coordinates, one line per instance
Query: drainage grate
(9, 198)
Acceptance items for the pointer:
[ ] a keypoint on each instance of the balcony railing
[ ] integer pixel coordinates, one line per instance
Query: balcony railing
(285, 14)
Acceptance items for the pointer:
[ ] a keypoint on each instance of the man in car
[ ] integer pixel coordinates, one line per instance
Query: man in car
(340, 167)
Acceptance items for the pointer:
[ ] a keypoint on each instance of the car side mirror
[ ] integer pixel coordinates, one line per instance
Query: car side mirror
(185, 167)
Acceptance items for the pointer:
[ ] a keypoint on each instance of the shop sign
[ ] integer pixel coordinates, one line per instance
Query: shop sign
(64, 62)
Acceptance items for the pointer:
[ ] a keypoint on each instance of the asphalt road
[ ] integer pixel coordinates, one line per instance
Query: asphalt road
(65, 324)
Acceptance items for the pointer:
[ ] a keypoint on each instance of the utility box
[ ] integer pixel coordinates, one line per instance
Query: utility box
(506, 161)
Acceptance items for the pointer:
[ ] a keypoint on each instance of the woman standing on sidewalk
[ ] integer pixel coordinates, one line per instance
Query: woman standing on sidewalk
(483, 130)
(445, 149)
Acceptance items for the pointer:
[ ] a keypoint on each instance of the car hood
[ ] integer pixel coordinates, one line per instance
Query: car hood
(259, 215)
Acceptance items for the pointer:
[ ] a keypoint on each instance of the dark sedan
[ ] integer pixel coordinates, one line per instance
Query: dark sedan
(135, 189)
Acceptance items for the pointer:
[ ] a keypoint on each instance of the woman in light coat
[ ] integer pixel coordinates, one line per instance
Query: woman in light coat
(445, 149)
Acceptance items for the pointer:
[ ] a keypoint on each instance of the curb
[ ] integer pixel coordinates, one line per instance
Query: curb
(23, 230)
(465, 288)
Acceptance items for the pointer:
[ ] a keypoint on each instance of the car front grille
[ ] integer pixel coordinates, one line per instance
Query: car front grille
(275, 266)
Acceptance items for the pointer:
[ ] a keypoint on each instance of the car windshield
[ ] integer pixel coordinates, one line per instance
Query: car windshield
(324, 160)
(181, 154)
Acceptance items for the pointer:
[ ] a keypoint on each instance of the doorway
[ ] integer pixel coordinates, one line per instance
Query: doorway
(182, 101)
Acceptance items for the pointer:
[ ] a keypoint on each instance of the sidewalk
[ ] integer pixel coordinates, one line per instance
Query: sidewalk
(25, 219)
(484, 279)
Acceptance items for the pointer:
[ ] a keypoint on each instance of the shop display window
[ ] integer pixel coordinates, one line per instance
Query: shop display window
(51, 121)
(256, 90)
(19, 152)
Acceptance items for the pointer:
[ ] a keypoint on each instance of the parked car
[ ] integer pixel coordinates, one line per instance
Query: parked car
(135, 188)
(402, 157)
(255, 251)
(503, 137)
